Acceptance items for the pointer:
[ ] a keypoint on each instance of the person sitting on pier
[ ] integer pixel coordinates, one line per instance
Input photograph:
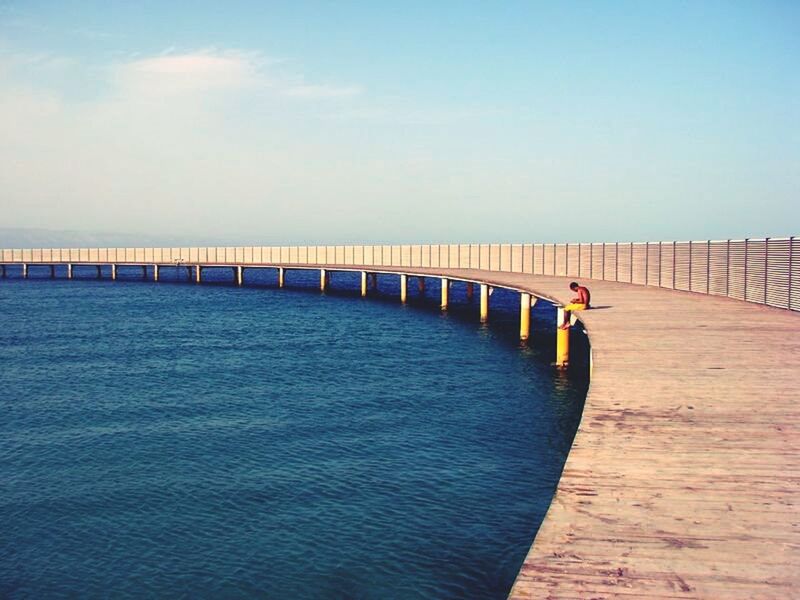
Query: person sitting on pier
(581, 302)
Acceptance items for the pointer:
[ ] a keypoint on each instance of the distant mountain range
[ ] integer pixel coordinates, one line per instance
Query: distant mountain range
(11, 237)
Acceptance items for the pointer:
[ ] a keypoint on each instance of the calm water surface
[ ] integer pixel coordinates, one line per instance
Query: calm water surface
(175, 440)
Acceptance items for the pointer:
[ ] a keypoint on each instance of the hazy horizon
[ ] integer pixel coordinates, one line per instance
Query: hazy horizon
(341, 123)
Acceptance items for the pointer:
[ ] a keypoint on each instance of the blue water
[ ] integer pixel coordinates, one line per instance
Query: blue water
(207, 441)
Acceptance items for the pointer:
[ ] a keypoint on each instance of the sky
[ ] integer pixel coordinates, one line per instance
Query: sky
(252, 122)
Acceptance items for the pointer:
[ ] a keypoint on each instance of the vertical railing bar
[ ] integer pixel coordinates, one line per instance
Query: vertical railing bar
(603, 265)
(745, 267)
(728, 270)
(766, 267)
(791, 252)
(631, 264)
(674, 278)
(659, 264)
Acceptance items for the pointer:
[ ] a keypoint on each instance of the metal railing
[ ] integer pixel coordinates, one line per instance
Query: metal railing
(763, 271)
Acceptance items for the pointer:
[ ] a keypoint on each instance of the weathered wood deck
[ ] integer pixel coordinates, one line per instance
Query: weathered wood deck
(684, 477)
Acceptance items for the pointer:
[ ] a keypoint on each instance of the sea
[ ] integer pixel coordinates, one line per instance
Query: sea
(176, 440)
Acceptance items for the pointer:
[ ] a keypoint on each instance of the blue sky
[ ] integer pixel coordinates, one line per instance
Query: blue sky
(334, 122)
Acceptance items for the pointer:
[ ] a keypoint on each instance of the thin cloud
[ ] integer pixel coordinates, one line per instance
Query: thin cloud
(172, 72)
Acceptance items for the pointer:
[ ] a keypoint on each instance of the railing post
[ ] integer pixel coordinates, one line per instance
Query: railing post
(791, 253)
(766, 267)
(746, 244)
(728, 269)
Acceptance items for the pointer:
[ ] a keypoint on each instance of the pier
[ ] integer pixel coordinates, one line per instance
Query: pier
(684, 477)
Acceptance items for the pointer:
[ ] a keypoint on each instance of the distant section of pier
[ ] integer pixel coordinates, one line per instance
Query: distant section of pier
(764, 271)
(684, 477)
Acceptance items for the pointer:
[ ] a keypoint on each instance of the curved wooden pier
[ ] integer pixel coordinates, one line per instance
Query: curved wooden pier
(684, 477)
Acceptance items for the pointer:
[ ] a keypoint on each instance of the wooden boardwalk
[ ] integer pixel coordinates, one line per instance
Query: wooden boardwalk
(684, 477)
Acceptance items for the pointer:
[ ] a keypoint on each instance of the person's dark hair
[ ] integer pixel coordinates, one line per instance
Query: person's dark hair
(573, 285)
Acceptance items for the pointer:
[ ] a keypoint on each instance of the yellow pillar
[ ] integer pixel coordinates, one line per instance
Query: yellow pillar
(113, 272)
(198, 273)
(25, 270)
(421, 285)
(239, 270)
(69, 271)
(562, 341)
(323, 279)
(281, 277)
(363, 283)
(445, 293)
(484, 303)
(403, 288)
(470, 290)
(155, 272)
(524, 316)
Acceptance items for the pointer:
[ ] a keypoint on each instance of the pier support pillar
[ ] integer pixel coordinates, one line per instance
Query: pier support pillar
(375, 281)
(113, 272)
(24, 270)
(4, 271)
(52, 271)
(363, 283)
(403, 288)
(323, 280)
(484, 303)
(238, 272)
(445, 293)
(421, 285)
(198, 274)
(99, 272)
(69, 271)
(155, 272)
(524, 316)
(562, 341)
(470, 290)
(144, 271)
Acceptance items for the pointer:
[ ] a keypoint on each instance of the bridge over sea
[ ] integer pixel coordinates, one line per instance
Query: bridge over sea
(683, 480)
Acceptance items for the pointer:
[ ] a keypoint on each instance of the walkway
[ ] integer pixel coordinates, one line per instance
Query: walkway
(684, 477)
